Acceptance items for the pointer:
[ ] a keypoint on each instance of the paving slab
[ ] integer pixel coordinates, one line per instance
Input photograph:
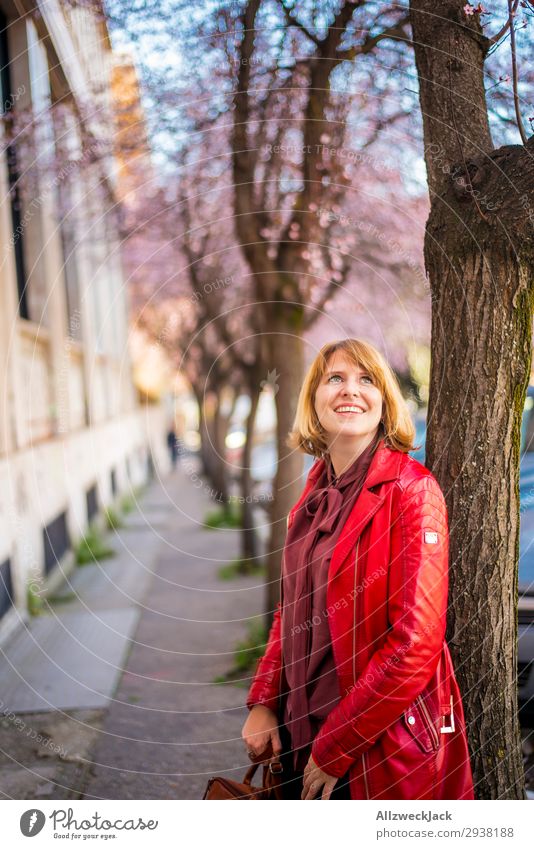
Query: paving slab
(45, 755)
(68, 661)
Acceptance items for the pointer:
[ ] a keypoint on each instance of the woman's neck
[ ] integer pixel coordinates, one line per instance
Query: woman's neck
(343, 453)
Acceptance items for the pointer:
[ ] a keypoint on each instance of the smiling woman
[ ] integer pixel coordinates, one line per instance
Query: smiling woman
(356, 689)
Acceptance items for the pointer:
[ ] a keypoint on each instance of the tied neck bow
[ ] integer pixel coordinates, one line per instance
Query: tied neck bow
(323, 506)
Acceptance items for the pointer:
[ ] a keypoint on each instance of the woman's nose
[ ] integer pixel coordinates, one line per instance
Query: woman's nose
(352, 389)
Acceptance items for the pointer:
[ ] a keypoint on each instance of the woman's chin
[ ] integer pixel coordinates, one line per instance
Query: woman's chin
(350, 429)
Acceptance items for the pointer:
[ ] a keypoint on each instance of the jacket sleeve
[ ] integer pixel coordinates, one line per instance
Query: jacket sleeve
(401, 668)
(265, 687)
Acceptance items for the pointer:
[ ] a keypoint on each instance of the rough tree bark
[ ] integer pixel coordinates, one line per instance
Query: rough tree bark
(479, 260)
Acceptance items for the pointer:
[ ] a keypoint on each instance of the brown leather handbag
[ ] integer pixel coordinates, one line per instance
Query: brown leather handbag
(225, 788)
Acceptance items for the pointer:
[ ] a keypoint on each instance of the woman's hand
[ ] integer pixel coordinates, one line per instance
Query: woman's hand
(260, 729)
(315, 779)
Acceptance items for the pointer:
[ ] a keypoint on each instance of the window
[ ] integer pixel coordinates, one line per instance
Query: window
(92, 503)
(56, 541)
(6, 588)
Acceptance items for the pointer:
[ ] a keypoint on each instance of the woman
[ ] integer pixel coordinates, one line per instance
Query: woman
(356, 689)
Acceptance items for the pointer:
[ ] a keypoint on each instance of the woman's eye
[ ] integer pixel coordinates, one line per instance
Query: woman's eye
(332, 376)
(367, 378)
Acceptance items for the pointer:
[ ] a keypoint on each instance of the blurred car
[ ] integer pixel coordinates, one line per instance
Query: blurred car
(525, 614)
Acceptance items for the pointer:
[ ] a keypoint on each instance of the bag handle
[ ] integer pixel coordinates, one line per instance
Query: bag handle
(272, 770)
(250, 774)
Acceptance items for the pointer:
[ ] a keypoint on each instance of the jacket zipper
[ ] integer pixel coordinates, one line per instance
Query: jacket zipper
(354, 616)
(364, 755)
(430, 725)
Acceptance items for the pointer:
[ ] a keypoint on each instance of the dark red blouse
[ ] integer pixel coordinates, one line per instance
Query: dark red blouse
(309, 670)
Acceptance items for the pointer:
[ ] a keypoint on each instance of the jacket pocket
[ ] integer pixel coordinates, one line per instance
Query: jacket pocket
(418, 722)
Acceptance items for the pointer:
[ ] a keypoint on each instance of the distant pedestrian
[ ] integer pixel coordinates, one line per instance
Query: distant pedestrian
(172, 444)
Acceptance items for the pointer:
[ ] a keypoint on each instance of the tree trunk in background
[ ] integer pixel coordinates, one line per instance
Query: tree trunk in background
(220, 468)
(479, 259)
(205, 455)
(249, 538)
(212, 428)
(287, 359)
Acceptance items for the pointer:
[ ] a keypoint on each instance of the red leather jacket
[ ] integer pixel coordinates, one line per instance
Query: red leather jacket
(399, 726)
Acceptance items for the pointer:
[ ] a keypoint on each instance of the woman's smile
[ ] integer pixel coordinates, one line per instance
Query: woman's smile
(348, 410)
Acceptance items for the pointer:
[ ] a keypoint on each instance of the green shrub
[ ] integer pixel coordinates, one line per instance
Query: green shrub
(247, 653)
(113, 518)
(61, 599)
(238, 568)
(92, 547)
(34, 601)
(128, 503)
(130, 500)
(228, 516)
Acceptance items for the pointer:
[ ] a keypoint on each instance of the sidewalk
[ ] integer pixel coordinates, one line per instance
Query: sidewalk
(147, 632)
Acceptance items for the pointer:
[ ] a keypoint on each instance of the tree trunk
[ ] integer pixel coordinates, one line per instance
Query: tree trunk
(479, 259)
(220, 468)
(249, 537)
(213, 466)
(287, 358)
(203, 430)
(477, 390)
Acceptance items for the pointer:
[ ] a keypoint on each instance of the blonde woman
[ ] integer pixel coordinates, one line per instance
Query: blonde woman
(356, 689)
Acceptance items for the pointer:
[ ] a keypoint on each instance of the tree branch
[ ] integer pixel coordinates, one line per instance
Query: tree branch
(242, 156)
(292, 21)
(514, 73)
(396, 31)
(504, 29)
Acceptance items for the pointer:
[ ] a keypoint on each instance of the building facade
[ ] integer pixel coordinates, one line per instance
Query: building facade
(73, 436)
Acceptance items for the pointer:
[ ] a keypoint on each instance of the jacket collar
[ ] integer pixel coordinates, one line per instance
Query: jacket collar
(385, 466)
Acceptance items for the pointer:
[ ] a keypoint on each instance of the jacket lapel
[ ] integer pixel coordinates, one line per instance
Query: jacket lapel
(385, 466)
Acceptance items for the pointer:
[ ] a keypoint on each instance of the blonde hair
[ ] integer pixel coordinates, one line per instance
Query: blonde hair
(307, 434)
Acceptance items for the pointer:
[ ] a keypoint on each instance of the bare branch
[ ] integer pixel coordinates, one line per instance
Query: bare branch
(296, 23)
(504, 29)
(514, 73)
(381, 124)
(397, 31)
(243, 159)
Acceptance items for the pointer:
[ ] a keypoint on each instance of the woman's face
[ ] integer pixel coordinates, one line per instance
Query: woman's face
(347, 402)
